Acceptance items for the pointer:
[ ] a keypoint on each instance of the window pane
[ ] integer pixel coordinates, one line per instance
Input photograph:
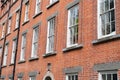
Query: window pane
(69, 77)
(102, 7)
(113, 26)
(114, 76)
(107, 28)
(111, 4)
(103, 24)
(106, 5)
(112, 15)
(103, 77)
(108, 76)
(107, 15)
(76, 77)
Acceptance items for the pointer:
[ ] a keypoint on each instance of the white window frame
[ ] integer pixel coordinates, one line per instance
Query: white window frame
(69, 44)
(35, 42)
(10, 79)
(75, 74)
(9, 25)
(106, 72)
(23, 47)
(52, 1)
(99, 28)
(13, 51)
(26, 18)
(17, 19)
(37, 7)
(30, 78)
(20, 78)
(5, 55)
(50, 35)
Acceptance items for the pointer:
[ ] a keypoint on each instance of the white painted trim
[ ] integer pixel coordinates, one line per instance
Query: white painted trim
(99, 30)
(106, 72)
(49, 74)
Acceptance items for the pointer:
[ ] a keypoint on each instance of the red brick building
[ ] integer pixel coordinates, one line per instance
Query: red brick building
(60, 40)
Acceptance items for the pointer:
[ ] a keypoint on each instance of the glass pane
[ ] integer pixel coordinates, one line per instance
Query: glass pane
(102, 7)
(77, 15)
(76, 34)
(107, 28)
(76, 77)
(34, 50)
(114, 76)
(113, 26)
(36, 34)
(111, 4)
(71, 17)
(103, 77)
(107, 15)
(72, 77)
(74, 15)
(71, 37)
(108, 76)
(106, 5)
(69, 78)
(103, 24)
(112, 15)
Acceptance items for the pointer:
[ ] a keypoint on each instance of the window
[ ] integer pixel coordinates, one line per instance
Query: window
(110, 75)
(72, 29)
(72, 77)
(32, 78)
(52, 1)
(13, 51)
(9, 26)
(35, 42)
(50, 35)
(5, 55)
(23, 46)
(19, 78)
(17, 19)
(3, 30)
(26, 12)
(106, 18)
(37, 8)
(0, 51)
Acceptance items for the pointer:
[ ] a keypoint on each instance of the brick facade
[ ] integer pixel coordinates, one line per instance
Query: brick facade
(87, 59)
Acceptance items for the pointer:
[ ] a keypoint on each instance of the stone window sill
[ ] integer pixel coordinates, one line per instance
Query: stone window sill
(8, 34)
(21, 61)
(106, 39)
(37, 14)
(14, 2)
(1, 38)
(33, 58)
(49, 54)
(73, 48)
(52, 4)
(25, 22)
(11, 64)
(15, 29)
(4, 66)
